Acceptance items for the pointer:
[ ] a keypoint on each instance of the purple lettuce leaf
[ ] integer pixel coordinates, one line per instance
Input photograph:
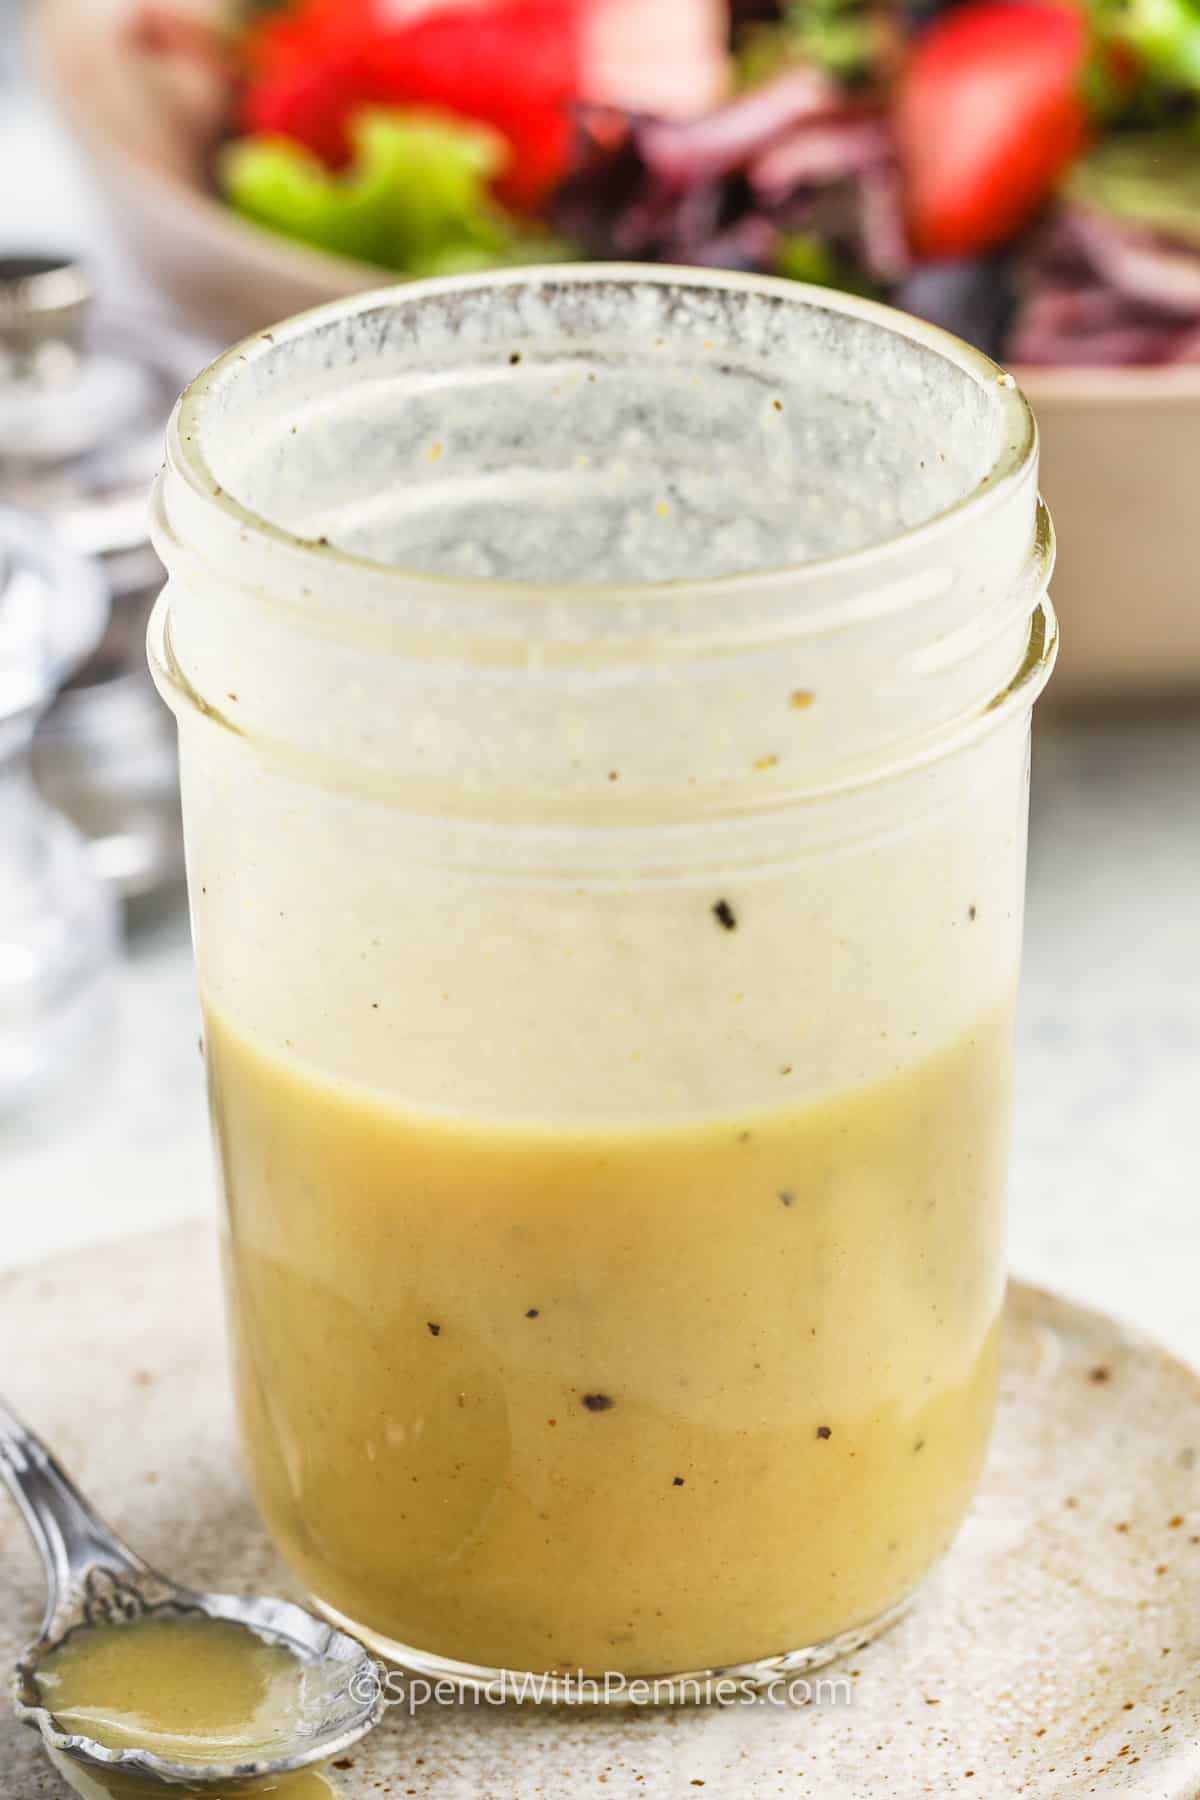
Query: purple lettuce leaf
(1098, 291)
(795, 155)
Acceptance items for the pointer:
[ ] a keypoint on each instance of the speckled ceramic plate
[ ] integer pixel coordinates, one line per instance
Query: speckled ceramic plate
(1055, 1653)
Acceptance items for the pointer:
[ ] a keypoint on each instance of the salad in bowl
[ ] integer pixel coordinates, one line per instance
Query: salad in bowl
(1025, 172)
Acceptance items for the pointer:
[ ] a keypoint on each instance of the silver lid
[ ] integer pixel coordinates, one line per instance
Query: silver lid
(43, 301)
(84, 400)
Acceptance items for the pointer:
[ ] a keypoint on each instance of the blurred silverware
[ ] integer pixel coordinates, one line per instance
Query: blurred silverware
(84, 398)
(58, 936)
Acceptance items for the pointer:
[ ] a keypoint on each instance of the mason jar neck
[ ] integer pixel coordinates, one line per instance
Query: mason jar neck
(321, 605)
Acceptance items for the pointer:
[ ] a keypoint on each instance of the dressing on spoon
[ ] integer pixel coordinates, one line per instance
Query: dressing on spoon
(191, 1689)
(193, 1692)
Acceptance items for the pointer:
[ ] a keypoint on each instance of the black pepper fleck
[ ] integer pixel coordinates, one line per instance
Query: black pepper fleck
(787, 1198)
(824, 1431)
(725, 916)
(515, 357)
(597, 1402)
(919, 1445)
(532, 1313)
(433, 1329)
(677, 1481)
(1099, 1374)
(972, 913)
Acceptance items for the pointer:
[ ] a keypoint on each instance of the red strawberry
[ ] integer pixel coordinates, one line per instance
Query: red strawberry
(989, 115)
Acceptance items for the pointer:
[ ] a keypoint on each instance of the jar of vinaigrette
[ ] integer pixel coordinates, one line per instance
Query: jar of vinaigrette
(604, 699)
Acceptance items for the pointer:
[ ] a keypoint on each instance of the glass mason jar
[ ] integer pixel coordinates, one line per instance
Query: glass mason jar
(604, 701)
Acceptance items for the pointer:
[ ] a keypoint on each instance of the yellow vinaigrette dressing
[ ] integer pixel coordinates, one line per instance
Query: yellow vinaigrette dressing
(562, 1399)
(193, 1690)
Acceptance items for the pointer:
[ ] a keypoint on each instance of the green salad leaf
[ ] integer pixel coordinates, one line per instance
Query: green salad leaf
(804, 256)
(1163, 35)
(1147, 179)
(415, 196)
(839, 36)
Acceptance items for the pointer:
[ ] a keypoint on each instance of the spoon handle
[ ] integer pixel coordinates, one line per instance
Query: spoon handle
(71, 1539)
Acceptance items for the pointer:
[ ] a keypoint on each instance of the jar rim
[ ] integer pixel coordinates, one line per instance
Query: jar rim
(1009, 472)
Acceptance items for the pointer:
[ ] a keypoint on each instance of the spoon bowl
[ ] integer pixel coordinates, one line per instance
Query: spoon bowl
(96, 1583)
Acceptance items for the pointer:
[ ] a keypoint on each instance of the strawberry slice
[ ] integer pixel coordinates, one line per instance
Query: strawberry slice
(989, 113)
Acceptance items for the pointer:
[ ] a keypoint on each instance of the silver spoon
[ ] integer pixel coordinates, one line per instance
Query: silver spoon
(96, 1581)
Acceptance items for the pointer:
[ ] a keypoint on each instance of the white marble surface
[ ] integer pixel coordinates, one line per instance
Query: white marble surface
(1106, 1168)
(1105, 1190)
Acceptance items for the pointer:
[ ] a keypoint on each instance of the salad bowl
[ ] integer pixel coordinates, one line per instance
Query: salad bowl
(1118, 444)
